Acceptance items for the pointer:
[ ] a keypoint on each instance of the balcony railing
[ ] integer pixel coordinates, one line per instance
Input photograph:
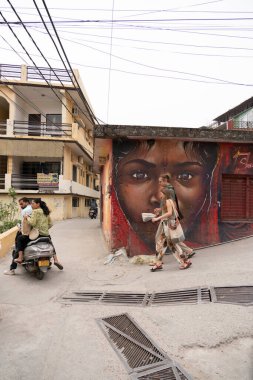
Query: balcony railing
(2, 181)
(3, 127)
(34, 74)
(51, 75)
(32, 182)
(239, 124)
(10, 71)
(24, 182)
(23, 128)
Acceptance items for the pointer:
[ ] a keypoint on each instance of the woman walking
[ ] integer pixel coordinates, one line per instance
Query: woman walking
(39, 219)
(168, 221)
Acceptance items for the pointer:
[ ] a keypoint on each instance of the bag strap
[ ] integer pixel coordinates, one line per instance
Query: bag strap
(174, 209)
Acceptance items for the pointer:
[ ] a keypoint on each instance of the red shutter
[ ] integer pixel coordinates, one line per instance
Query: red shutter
(234, 197)
(250, 195)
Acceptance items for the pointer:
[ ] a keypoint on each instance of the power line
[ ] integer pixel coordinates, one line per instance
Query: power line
(156, 42)
(85, 113)
(110, 66)
(48, 83)
(158, 68)
(116, 21)
(65, 55)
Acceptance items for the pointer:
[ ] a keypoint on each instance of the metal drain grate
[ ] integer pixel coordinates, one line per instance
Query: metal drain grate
(116, 298)
(241, 295)
(186, 296)
(134, 347)
(125, 298)
(86, 297)
(167, 372)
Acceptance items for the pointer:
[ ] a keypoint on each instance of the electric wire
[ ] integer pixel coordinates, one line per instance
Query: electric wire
(65, 55)
(41, 74)
(84, 112)
(158, 68)
(49, 84)
(110, 66)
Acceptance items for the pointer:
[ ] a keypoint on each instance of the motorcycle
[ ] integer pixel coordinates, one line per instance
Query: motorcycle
(93, 212)
(37, 256)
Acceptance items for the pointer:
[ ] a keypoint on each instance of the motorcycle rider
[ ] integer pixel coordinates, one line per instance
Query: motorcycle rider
(41, 220)
(26, 209)
(94, 206)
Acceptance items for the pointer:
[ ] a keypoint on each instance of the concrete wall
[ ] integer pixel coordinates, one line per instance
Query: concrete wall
(196, 170)
(7, 240)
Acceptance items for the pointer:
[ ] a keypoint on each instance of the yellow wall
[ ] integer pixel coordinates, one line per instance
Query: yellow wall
(7, 240)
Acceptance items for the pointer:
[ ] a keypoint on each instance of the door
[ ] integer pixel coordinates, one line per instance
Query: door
(34, 124)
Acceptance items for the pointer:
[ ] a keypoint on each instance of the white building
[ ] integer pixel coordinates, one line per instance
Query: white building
(46, 139)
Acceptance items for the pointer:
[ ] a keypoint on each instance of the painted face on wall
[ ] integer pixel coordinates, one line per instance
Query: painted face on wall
(137, 172)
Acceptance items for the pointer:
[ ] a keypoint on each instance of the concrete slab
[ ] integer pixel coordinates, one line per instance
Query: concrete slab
(44, 339)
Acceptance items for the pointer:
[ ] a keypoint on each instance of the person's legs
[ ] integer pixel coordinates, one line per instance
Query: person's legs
(55, 258)
(179, 256)
(160, 249)
(14, 265)
(189, 252)
(22, 242)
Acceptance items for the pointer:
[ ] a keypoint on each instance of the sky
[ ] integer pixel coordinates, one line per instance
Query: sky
(176, 63)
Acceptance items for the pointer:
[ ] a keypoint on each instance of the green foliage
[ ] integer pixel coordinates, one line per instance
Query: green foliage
(8, 212)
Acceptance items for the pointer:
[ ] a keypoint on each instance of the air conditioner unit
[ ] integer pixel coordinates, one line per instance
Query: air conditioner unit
(75, 111)
(80, 160)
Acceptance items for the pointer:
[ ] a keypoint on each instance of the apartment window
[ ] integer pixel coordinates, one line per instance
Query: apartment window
(75, 202)
(54, 124)
(3, 170)
(74, 173)
(87, 180)
(32, 168)
(87, 202)
(237, 197)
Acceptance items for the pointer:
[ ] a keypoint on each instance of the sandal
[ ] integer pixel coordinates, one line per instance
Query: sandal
(156, 267)
(192, 254)
(59, 266)
(152, 264)
(185, 265)
(18, 261)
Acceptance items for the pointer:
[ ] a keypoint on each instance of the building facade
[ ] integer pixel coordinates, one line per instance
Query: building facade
(210, 169)
(46, 139)
(239, 117)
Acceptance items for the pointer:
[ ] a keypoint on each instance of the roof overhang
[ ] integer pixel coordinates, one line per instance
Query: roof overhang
(187, 134)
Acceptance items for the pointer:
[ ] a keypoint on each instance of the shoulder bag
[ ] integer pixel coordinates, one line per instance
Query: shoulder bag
(34, 234)
(175, 231)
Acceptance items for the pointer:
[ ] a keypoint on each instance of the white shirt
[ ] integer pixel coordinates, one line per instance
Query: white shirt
(25, 211)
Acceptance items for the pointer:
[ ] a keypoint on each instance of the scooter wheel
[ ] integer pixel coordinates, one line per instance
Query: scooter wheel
(39, 275)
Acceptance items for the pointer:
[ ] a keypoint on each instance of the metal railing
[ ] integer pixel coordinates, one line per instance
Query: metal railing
(51, 75)
(2, 181)
(10, 71)
(239, 124)
(30, 182)
(35, 74)
(24, 128)
(3, 127)
(24, 182)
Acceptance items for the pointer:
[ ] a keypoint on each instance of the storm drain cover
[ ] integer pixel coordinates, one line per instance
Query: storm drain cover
(134, 347)
(187, 296)
(117, 298)
(86, 297)
(125, 298)
(242, 295)
(166, 372)
(140, 355)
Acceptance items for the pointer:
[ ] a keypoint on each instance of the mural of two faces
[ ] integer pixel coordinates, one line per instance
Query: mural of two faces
(197, 172)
